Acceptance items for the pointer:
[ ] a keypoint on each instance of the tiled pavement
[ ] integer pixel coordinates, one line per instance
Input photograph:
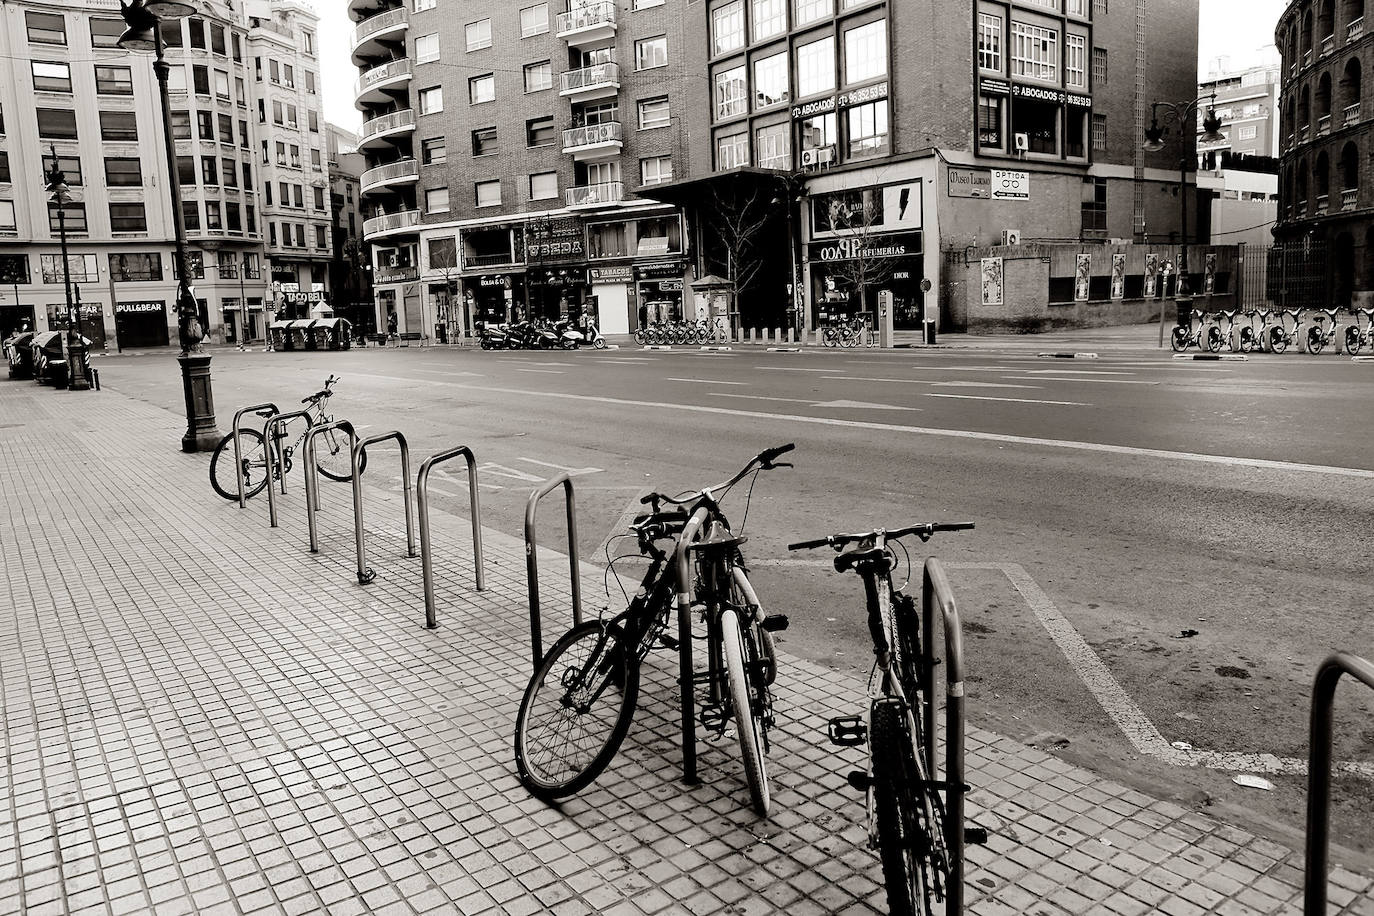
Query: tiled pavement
(202, 717)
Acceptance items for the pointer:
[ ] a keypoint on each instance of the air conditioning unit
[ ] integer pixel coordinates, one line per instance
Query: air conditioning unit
(1022, 142)
(394, 260)
(815, 158)
(1011, 236)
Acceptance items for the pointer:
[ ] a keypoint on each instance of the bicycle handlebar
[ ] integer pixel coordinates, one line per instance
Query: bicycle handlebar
(766, 460)
(924, 532)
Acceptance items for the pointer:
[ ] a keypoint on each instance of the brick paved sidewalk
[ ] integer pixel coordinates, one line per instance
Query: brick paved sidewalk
(202, 717)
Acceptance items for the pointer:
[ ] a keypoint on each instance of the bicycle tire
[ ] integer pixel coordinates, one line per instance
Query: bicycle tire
(1353, 341)
(556, 772)
(1316, 340)
(333, 453)
(1278, 340)
(222, 465)
(746, 722)
(895, 767)
(1178, 340)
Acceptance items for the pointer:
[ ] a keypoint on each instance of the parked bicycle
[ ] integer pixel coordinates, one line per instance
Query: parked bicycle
(1319, 335)
(1253, 339)
(906, 813)
(1357, 335)
(848, 333)
(333, 456)
(1280, 338)
(578, 705)
(1191, 335)
(1216, 336)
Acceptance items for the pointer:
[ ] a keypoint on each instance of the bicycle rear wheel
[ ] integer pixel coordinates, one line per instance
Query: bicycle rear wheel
(736, 652)
(334, 457)
(904, 823)
(254, 465)
(576, 711)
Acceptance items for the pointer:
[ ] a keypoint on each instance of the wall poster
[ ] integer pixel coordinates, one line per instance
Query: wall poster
(1080, 278)
(992, 281)
(1119, 275)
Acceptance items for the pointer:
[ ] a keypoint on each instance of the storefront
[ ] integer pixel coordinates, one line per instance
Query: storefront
(492, 298)
(141, 324)
(559, 292)
(659, 287)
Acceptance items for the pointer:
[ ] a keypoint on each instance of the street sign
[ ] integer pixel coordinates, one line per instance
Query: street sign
(1008, 185)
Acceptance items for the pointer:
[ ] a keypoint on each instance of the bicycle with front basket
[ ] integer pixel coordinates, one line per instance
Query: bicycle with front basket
(577, 707)
(906, 814)
(333, 454)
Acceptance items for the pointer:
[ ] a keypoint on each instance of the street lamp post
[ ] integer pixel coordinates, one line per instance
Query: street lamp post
(61, 195)
(143, 33)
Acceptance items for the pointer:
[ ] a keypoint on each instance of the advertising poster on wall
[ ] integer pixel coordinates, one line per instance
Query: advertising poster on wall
(1080, 278)
(992, 281)
(1119, 275)
(1151, 272)
(1209, 278)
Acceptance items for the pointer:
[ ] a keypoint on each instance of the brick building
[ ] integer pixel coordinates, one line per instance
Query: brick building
(1326, 195)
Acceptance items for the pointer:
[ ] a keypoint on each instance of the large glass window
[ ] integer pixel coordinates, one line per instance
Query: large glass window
(434, 151)
(770, 18)
(990, 122)
(812, 10)
(46, 28)
(651, 52)
(105, 32)
(1075, 62)
(51, 76)
(732, 150)
(489, 193)
(436, 200)
(990, 42)
(427, 48)
(123, 172)
(867, 125)
(865, 52)
(543, 186)
(75, 216)
(1075, 133)
(816, 67)
(656, 170)
(83, 268)
(128, 217)
(727, 27)
(538, 76)
(653, 113)
(770, 80)
(484, 141)
(118, 125)
(540, 132)
(56, 123)
(731, 93)
(70, 166)
(479, 35)
(431, 100)
(136, 267)
(8, 221)
(1039, 121)
(1034, 52)
(482, 89)
(818, 133)
(772, 147)
(534, 20)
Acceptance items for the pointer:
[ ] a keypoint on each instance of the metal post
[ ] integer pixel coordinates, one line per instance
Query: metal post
(269, 437)
(936, 595)
(422, 495)
(312, 474)
(690, 531)
(238, 447)
(532, 559)
(243, 306)
(365, 574)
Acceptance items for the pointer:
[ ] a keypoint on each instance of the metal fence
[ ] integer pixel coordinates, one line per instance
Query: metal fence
(1287, 275)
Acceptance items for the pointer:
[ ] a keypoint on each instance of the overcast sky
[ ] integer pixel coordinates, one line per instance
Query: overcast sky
(1236, 29)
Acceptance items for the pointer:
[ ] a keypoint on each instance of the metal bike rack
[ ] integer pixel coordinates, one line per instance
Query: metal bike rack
(238, 446)
(366, 575)
(312, 473)
(532, 558)
(269, 441)
(937, 596)
(422, 495)
(1319, 773)
(690, 532)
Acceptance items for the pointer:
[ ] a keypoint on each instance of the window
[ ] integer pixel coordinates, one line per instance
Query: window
(56, 124)
(770, 18)
(1099, 8)
(479, 35)
(865, 52)
(543, 186)
(240, 92)
(310, 86)
(209, 170)
(46, 28)
(118, 125)
(181, 125)
(288, 75)
(186, 170)
(230, 170)
(1075, 62)
(197, 33)
(653, 113)
(238, 47)
(217, 39)
(74, 214)
(1099, 133)
(422, 5)
(123, 172)
(1099, 67)
(1246, 133)
(538, 76)
(200, 77)
(291, 120)
(867, 129)
(226, 128)
(320, 240)
(431, 100)
(427, 48)
(772, 147)
(816, 67)
(176, 78)
(136, 267)
(534, 20)
(651, 52)
(171, 33)
(297, 197)
(482, 89)
(190, 215)
(990, 42)
(274, 71)
(308, 41)
(1094, 208)
(128, 217)
(484, 141)
(1077, 8)
(645, 4)
(443, 252)
(83, 268)
(5, 167)
(770, 80)
(990, 122)
(732, 151)
(731, 93)
(315, 161)
(1047, 4)
(727, 27)
(436, 200)
(8, 222)
(1034, 52)
(818, 133)
(247, 175)
(488, 193)
(205, 122)
(105, 32)
(656, 170)
(70, 166)
(314, 119)
(213, 219)
(433, 151)
(1039, 121)
(51, 76)
(812, 10)
(539, 132)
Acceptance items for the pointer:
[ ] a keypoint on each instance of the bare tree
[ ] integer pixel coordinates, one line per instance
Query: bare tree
(738, 222)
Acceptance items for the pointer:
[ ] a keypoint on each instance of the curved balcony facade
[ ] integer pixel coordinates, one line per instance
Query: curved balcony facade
(372, 86)
(407, 171)
(403, 222)
(377, 35)
(377, 133)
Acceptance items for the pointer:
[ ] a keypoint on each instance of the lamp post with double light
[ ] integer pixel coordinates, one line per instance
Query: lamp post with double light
(143, 19)
(61, 195)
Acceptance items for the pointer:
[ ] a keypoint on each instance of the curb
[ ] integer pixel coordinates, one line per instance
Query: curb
(657, 347)
(1067, 355)
(1362, 359)
(782, 349)
(716, 349)
(1211, 357)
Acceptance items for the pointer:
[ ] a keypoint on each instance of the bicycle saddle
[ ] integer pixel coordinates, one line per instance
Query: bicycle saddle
(851, 558)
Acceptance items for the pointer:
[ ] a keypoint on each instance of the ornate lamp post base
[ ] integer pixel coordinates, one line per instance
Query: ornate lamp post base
(201, 432)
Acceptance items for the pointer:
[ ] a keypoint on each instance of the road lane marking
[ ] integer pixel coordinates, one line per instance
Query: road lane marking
(790, 369)
(980, 385)
(572, 472)
(698, 381)
(500, 470)
(1096, 381)
(835, 405)
(975, 397)
(1058, 371)
(973, 435)
(545, 371)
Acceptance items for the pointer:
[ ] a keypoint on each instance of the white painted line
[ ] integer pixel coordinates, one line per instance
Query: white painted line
(784, 349)
(1067, 355)
(555, 364)
(759, 397)
(700, 381)
(980, 385)
(1095, 381)
(835, 405)
(790, 369)
(710, 349)
(572, 472)
(631, 359)
(545, 371)
(975, 397)
(1362, 359)
(1066, 371)
(500, 470)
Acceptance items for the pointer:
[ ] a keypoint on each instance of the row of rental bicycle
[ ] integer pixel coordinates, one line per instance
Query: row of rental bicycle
(1275, 330)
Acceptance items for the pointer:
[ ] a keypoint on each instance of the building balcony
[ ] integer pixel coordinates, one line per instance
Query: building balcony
(1300, 209)
(1350, 197)
(1328, 45)
(371, 36)
(1302, 133)
(378, 131)
(587, 23)
(590, 83)
(594, 195)
(594, 141)
(362, 9)
(373, 84)
(1352, 114)
(1355, 29)
(1323, 204)
(404, 222)
(1307, 58)
(490, 259)
(407, 171)
(1323, 125)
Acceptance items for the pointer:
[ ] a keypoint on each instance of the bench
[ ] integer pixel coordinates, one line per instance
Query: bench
(409, 336)
(378, 339)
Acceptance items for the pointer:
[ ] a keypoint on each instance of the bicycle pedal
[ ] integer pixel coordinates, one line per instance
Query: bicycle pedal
(847, 731)
(667, 641)
(858, 779)
(774, 623)
(975, 836)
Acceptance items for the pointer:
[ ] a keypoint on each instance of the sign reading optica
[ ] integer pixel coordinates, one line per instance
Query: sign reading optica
(1008, 185)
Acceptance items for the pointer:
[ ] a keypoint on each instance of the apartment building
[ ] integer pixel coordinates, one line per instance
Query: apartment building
(1247, 101)
(507, 146)
(69, 89)
(351, 270)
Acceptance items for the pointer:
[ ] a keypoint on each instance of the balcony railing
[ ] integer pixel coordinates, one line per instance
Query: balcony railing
(497, 259)
(591, 135)
(590, 77)
(406, 168)
(1352, 114)
(1300, 209)
(586, 16)
(1355, 29)
(1307, 58)
(1323, 204)
(1288, 143)
(1349, 198)
(607, 192)
(387, 123)
(405, 219)
(1323, 125)
(386, 71)
(1328, 44)
(374, 24)
(1302, 133)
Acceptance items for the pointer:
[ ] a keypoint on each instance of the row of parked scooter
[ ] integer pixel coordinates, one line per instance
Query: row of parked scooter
(542, 334)
(1268, 329)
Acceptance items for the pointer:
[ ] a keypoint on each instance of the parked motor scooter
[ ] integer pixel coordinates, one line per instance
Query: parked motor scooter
(495, 337)
(539, 336)
(569, 337)
(591, 334)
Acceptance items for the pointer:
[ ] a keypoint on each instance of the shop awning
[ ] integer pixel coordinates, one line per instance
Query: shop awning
(745, 179)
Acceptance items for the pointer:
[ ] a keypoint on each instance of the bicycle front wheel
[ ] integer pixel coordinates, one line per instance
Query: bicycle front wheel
(733, 647)
(334, 456)
(254, 465)
(576, 711)
(903, 831)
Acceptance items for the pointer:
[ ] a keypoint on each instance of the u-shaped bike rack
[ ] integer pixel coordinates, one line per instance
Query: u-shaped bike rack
(422, 496)
(312, 473)
(269, 441)
(690, 532)
(238, 446)
(366, 575)
(532, 558)
(1319, 773)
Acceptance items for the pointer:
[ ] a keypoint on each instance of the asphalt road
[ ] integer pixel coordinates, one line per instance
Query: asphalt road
(1205, 528)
